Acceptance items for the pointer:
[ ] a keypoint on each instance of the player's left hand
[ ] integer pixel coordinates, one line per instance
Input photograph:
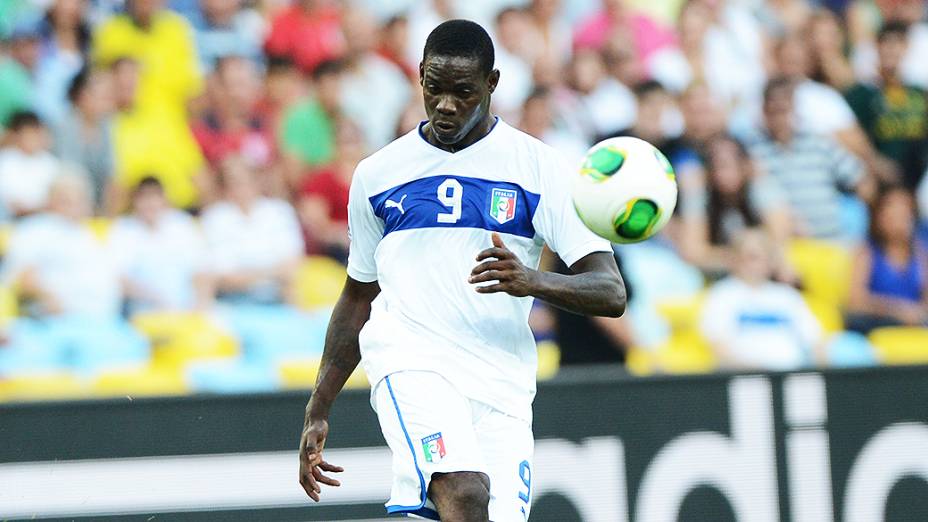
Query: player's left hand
(501, 264)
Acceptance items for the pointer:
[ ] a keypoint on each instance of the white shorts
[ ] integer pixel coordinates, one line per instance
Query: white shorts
(431, 428)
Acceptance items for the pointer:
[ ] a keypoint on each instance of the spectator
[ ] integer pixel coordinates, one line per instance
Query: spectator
(828, 46)
(821, 109)
(889, 285)
(307, 130)
(254, 242)
(893, 113)
(17, 85)
(553, 29)
(161, 254)
(369, 76)
(394, 39)
(142, 137)
(644, 34)
(908, 13)
(587, 340)
(538, 121)
(323, 205)
(65, 40)
(784, 17)
(57, 262)
(514, 44)
(657, 118)
(71, 283)
(308, 32)
(812, 169)
(27, 168)
(231, 125)
(600, 104)
(736, 198)
(85, 134)
(162, 43)
(227, 28)
(755, 324)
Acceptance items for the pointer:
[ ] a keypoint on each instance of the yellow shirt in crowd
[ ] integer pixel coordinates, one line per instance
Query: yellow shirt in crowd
(154, 138)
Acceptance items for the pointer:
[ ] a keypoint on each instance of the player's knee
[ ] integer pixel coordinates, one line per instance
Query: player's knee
(461, 492)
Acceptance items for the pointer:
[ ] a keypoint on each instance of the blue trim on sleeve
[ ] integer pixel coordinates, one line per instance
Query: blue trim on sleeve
(421, 506)
(497, 206)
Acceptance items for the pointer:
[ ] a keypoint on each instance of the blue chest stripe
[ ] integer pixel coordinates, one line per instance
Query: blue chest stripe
(497, 206)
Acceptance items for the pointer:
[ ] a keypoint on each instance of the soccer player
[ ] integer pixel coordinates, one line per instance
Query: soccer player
(447, 225)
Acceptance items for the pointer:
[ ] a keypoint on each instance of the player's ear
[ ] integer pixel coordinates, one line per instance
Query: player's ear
(493, 80)
(422, 73)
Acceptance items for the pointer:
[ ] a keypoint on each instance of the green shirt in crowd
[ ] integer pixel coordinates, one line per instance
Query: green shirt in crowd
(15, 89)
(308, 133)
(896, 119)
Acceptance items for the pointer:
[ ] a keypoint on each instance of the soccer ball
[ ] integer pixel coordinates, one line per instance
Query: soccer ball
(626, 190)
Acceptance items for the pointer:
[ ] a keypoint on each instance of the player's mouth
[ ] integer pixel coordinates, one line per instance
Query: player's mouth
(445, 127)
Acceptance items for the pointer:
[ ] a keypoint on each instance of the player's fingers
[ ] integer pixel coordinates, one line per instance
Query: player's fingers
(322, 479)
(498, 253)
(309, 484)
(491, 275)
(497, 240)
(492, 289)
(325, 466)
(487, 265)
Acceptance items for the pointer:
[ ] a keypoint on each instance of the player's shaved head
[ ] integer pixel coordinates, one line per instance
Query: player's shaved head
(461, 38)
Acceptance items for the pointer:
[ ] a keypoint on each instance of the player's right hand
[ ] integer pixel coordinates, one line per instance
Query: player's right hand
(311, 463)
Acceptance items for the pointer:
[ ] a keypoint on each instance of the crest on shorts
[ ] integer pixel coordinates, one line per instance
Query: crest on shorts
(434, 447)
(502, 205)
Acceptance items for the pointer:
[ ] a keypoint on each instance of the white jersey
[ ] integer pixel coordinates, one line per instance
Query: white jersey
(418, 216)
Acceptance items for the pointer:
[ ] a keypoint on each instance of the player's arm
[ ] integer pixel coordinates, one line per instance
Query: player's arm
(594, 288)
(340, 357)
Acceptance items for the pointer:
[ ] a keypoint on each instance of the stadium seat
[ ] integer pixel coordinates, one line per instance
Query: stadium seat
(319, 282)
(231, 376)
(640, 362)
(6, 230)
(828, 314)
(42, 386)
(850, 350)
(272, 333)
(682, 313)
(139, 382)
(900, 345)
(9, 307)
(824, 269)
(549, 359)
(179, 338)
(301, 374)
(685, 353)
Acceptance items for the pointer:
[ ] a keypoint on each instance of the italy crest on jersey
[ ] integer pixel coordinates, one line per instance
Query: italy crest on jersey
(434, 447)
(502, 205)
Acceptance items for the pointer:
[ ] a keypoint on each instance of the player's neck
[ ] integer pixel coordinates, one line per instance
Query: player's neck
(476, 134)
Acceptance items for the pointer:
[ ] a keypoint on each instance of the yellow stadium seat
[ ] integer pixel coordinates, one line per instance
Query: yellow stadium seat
(827, 313)
(549, 359)
(682, 314)
(319, 282)
(46, 386)
(301, 374)
(900, 345)
(9, 307)
(100, 227)
(640, 361)
(179, 338)
(824, 269)
(140, 382)
(6, 231)
(685, 353)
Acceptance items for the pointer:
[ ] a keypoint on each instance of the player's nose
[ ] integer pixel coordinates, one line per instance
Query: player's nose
(446, 106)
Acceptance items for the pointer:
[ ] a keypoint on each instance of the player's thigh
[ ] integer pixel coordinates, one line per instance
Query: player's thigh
(428, 426)
(507, 445)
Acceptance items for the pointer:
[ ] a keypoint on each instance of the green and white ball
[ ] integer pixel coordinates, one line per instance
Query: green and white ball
(626, 190)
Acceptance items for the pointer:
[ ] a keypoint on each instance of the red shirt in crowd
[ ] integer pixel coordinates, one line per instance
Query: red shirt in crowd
(307, 38)
(254, 142)
(328, 185)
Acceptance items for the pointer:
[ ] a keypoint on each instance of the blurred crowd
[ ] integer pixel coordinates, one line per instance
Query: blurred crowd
(168, 156)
